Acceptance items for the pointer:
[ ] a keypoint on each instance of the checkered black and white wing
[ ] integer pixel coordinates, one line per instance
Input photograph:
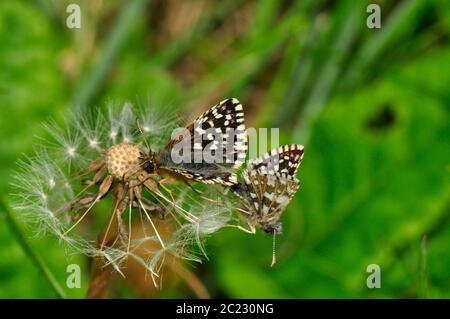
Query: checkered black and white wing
(268, 195)
(217, 144)
(268, 186)
(284, 160)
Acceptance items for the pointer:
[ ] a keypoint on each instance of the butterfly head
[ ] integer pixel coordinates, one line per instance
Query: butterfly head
(273, 229)
(149, 167)
(149, 163)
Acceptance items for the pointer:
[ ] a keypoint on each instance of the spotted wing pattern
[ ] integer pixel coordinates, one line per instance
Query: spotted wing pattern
(268, 188)
(284, 160)
(211, 147)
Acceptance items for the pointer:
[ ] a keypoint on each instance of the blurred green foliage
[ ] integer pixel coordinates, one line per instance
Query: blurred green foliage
(371, 106)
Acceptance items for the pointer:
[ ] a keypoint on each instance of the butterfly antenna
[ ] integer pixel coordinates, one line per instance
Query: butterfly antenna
(274, 258)
(138, 124)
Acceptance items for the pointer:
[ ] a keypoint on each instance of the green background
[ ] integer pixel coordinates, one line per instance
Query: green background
(371, 107)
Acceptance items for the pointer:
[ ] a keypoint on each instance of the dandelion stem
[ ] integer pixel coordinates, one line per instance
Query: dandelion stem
(29, 251)
(191, 280)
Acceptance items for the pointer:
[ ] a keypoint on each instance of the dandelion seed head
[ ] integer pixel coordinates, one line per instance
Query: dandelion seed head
(51, 181)
(122, 160)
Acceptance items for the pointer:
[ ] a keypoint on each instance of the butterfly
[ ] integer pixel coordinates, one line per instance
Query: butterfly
(268, 185)
(208, 150)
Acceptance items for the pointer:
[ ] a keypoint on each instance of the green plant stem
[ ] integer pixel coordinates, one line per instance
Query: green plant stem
(350, 28)
(29, 250)
(301, 72)
(113, 43)
(297, 65)
(423, 272)
(399, 25)
(184, 42)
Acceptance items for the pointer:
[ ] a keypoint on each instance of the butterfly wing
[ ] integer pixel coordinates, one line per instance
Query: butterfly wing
(284, 160)
(269, 185)
(216, 142)
(269, 195)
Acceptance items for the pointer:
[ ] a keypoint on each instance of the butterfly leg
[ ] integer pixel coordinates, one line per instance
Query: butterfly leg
(161, 183)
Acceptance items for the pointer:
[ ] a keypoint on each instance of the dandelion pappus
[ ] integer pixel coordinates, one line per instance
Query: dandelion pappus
(94, 154)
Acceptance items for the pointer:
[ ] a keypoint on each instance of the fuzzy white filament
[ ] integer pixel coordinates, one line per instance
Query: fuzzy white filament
(53, 190)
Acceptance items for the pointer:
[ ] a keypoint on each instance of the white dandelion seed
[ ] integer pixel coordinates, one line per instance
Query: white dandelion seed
(156, 121)
(121, 122)
(64, 143)
(40, 193)
(92, 126)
